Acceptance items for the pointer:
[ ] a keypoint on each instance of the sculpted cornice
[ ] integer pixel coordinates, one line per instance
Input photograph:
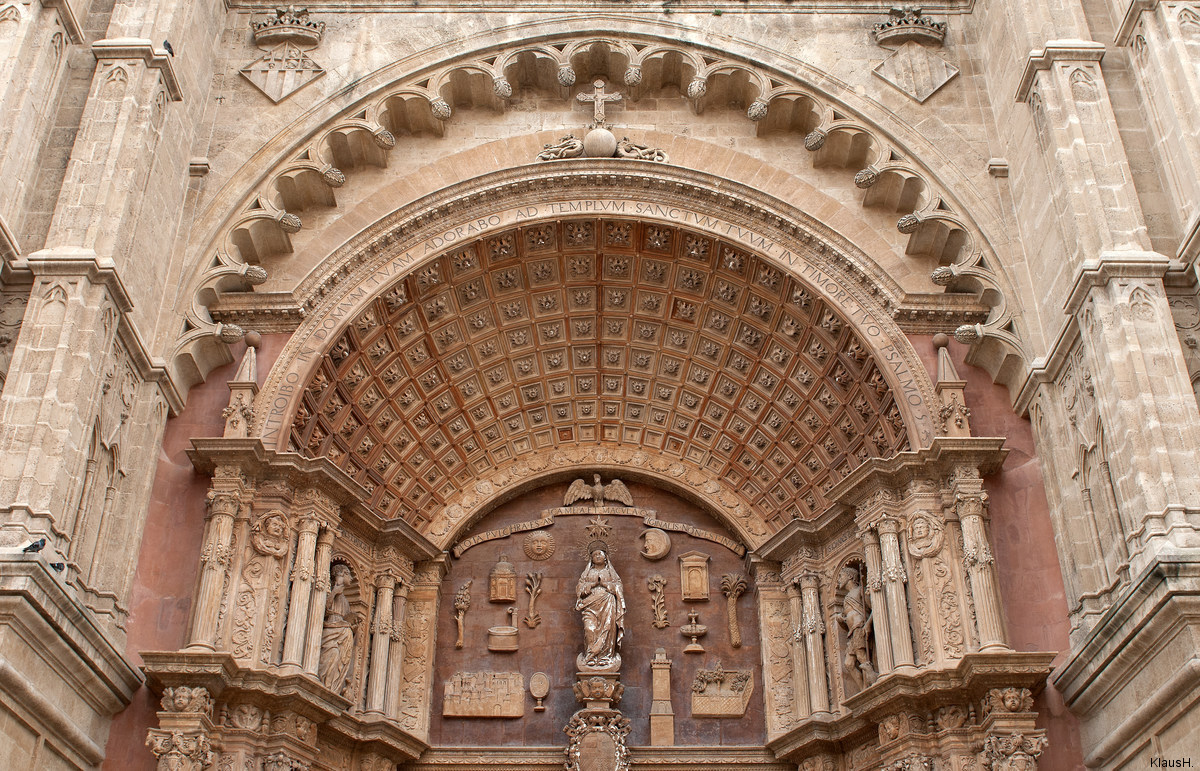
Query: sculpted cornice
(917, 691)
(256, 461)
(987, 454)
(277, 692)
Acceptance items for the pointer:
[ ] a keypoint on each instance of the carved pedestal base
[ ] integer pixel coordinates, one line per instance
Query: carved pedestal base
(598, 691)
(597, 740)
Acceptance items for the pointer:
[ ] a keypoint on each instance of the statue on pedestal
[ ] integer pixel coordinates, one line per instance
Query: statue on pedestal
(337, 639)
(602, 605)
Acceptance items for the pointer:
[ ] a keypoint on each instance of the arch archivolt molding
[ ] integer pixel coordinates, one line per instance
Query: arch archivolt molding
(411, 247)
(307, 177)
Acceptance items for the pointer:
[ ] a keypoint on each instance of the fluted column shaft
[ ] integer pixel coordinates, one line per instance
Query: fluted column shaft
(799, 658)
(879, 616)
(215, 559)
(395, 668)
(894, 578)
(981, 571)
(302, 580)
(316, 606)
(380, 641)
(814, 632)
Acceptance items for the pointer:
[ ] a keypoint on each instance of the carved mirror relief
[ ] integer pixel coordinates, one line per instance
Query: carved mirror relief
(482, 713)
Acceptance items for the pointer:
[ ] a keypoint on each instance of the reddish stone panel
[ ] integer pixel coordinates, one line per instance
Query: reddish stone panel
(552, 646)
(161, 600)
(1031, 586)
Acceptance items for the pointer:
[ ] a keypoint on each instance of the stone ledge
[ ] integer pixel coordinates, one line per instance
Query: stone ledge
(279, 689)
(1056, 50)
(38, 609)
(140, 48)
(539, 758)
(918, 690)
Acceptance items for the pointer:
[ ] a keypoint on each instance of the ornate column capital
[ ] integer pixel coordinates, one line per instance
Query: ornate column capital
(1012, 752)
(180, 750)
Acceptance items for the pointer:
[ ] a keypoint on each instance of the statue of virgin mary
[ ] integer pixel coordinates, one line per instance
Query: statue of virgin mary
(602, 605)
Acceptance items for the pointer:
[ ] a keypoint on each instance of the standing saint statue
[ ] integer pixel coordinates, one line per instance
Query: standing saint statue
(602, 605)
(337, 639)
(855, 616)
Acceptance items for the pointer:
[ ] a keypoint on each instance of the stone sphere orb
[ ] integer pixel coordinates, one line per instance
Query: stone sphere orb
(599, 143)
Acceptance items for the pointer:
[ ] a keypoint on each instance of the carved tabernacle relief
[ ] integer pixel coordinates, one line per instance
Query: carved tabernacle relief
(484, 694)
(719, 692)
(502, 582)
(693, 576)
(602, 605)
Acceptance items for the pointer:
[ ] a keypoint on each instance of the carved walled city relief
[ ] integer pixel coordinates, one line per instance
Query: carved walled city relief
(484, 694)
(719, 692)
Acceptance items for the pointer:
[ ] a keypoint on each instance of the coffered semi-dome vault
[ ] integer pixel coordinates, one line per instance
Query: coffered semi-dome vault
(665, 345)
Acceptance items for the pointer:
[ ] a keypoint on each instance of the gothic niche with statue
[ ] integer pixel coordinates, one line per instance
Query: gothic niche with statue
(604, 582)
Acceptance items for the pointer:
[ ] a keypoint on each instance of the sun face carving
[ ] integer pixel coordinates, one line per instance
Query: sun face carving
(702, 352)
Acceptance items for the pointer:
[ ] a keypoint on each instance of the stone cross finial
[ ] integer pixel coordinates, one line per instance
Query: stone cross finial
(598, 98)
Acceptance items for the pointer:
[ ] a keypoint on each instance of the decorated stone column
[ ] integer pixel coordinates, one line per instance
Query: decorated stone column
(970, 502)
(879, 616)
(814, 637)
(894, 579)
(302, 581)
(662, 716)
(215, 560)
(800, 681)
(1146, 404)
(380, 642)
(181, 742)
(395, 670)
(316, 606)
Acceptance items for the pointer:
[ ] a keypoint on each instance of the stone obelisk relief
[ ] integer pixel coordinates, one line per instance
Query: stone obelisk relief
(598, 731)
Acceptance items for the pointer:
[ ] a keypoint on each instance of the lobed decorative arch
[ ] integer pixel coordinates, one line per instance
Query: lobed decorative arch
(254, 217)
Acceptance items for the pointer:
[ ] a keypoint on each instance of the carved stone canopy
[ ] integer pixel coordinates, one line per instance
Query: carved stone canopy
(598, 330)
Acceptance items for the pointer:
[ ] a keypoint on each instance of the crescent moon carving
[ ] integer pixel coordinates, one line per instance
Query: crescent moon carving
(658, 543)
